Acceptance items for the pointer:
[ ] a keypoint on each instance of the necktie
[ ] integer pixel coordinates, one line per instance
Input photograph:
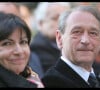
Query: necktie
(93, 81)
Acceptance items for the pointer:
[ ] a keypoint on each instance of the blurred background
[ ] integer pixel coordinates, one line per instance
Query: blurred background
(27, 10)
(42, 20)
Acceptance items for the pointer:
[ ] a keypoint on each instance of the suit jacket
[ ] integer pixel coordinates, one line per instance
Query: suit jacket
(63, 76)
(96, 66)
(12, 80)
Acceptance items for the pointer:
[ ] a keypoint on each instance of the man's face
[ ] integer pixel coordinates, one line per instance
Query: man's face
(81, 40)
(50, 23)
(9, 8)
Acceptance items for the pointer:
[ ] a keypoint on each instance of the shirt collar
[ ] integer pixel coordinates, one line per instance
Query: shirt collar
(79, 70)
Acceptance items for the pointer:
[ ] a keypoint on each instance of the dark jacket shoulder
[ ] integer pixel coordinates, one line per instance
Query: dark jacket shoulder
(10, 79)
(63, 76)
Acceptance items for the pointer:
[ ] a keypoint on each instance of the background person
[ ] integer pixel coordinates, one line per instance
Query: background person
(44, 42)
(9, 7)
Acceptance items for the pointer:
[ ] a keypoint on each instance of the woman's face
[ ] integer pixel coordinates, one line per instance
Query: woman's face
(15, 52)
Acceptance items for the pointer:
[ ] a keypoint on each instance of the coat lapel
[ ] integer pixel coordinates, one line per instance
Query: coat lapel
(68, 72)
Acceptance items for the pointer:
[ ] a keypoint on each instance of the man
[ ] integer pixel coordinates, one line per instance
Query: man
(78, 38)
(44, 43)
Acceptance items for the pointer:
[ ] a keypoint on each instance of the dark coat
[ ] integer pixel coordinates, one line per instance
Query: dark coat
(46, 50)
(34, 63)
(11, 80)
(96, 66)
(62, 76)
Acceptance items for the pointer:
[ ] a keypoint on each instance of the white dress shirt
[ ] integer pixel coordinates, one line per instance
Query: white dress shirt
(79, 70)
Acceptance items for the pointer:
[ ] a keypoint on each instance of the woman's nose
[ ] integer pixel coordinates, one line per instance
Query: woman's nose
(18, 49)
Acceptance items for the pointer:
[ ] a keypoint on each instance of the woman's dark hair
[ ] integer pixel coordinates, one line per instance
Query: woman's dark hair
(9, 23)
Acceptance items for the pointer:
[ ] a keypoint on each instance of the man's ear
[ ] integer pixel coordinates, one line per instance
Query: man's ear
(40, 24)
(59, 39)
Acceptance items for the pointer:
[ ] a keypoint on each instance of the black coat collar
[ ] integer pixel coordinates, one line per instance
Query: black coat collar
(68, 72)
(10, 79)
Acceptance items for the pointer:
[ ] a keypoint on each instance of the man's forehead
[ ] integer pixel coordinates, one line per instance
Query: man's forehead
(9, 8)
(80, 14)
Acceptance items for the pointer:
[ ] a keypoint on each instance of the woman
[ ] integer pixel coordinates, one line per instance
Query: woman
(15, 38)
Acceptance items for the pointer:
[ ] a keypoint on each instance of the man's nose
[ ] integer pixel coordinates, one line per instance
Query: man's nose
(85, 38)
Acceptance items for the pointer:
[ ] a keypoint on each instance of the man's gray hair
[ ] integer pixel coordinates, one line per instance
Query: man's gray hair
(42, 7)
(63, 17)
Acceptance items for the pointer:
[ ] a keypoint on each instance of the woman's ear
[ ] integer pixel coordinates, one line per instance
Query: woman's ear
(59, 39)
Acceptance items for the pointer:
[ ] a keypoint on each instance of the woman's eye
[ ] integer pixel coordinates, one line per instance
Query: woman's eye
(6, 44)
(24, 42)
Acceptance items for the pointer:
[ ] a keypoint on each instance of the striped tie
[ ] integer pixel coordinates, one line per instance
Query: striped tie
(93, 81)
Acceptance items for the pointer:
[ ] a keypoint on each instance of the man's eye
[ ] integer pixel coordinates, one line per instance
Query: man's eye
(94, 34)
(76, 32)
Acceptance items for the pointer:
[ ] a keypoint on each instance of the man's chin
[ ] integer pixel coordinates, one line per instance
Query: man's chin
(85, 60)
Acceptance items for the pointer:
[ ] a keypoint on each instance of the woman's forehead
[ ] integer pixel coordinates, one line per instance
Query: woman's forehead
(18, 32)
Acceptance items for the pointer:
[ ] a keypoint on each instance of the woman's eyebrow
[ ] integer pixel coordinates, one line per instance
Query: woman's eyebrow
(9, 39)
